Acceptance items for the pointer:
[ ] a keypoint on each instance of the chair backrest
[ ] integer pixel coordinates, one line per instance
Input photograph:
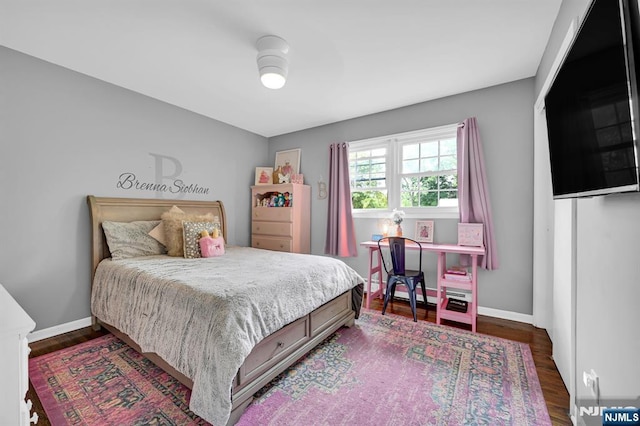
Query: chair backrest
(392, 250)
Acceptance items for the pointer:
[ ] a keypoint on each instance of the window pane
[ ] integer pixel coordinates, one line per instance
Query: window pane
(448, 181)
(410, 184)
(409, 199)
(379, 152)
(410, 151)
(363, 183)
(448, 147)
(448, 195)
(448, 162)
(378, 180)
(410, 166)
(369, 199)
(429, 199)
(363, 169)
(429, 164)
(429, 182)
(377, 168)
(429, 149)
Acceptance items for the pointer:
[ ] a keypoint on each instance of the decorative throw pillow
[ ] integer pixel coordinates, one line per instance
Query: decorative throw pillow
(211, 247)
(158, 232)
(173, 232)
(131, 239)
(191, 235)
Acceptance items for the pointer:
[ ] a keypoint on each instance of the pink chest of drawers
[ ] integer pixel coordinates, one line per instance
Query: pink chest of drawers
(281, 228)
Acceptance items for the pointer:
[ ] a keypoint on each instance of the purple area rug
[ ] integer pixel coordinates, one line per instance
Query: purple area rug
(388, 370)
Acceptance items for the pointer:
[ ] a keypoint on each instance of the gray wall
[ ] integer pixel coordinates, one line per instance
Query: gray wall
(607, 290)
(65, 135)
(505, 119)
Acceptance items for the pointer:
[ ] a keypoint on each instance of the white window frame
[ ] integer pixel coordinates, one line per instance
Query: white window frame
(394, 144)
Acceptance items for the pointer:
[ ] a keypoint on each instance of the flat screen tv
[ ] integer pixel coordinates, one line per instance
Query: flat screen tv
(592, 105)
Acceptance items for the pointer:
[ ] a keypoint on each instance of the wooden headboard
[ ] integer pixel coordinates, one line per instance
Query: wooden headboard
(130, 209)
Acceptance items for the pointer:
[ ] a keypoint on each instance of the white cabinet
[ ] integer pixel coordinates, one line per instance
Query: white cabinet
(15, 324)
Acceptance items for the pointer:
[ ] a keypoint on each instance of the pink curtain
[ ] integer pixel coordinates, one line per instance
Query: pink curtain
(341, 236)
(473, 189)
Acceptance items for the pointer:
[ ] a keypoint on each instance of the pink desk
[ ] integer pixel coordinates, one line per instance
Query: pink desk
(468, 317)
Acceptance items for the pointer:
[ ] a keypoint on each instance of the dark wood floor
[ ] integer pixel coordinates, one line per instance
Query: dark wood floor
(553, 388)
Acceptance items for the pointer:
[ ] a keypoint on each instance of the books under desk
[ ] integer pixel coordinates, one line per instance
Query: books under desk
(457, 292)
(458, 278)
(457, 305)
(457, 273)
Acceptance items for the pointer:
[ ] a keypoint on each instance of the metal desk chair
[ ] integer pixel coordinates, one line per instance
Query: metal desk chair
(393, 261)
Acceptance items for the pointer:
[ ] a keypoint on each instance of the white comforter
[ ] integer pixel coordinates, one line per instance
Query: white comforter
(204, 316)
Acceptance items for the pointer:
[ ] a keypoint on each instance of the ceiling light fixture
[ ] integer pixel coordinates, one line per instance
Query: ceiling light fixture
(272, 61)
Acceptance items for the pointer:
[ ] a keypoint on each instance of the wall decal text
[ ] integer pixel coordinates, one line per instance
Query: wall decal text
(128, 180)
(167, 179)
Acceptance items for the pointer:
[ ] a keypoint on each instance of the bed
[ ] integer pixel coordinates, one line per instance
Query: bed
(222, 326)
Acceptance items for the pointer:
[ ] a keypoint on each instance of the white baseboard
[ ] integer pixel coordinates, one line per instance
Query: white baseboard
(508, 315)
(57, 330)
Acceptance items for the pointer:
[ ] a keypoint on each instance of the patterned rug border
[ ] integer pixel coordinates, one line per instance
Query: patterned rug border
(443, 327)
(40, 382)
(154, 382)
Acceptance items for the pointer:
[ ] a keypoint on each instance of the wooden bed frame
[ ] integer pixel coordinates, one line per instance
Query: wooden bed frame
(270, 357)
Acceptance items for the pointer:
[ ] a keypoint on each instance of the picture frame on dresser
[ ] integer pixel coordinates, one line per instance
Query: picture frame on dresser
(264, 175)
(288, 161)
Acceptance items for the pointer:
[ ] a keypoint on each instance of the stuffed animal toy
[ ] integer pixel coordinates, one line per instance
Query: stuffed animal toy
(283, 178)
(210, 246)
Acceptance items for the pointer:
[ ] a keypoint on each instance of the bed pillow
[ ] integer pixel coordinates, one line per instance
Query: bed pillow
(158, 232)
(131, 239)
(173, 230)
(191, 235)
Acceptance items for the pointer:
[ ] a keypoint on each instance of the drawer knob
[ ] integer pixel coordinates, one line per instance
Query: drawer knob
(280, 344)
